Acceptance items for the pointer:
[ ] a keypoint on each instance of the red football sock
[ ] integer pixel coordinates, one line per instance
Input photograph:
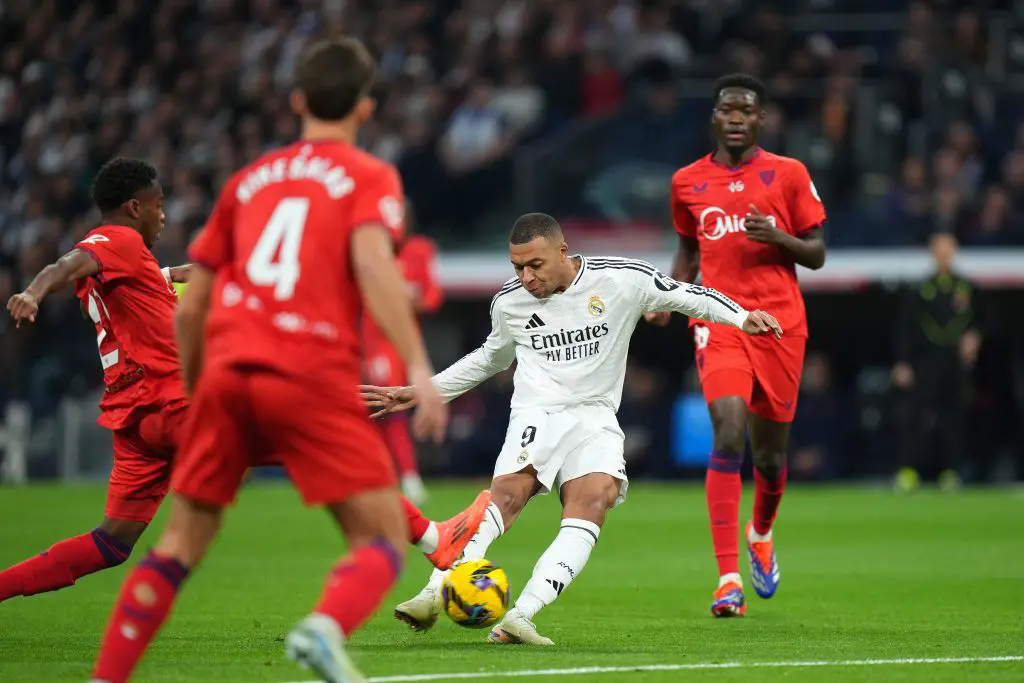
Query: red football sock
(723, 489)
(145, 601)
(63, 564)
(399, 443)
(414, 518)
(767, 496)
(358, 584)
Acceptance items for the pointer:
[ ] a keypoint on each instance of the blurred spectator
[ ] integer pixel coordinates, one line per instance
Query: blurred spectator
(602, 87)
(909, 204)
(939, 336)
(477, 134)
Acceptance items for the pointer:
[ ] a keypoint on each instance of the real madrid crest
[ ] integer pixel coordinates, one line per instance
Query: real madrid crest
(595, 306)
(523, 455)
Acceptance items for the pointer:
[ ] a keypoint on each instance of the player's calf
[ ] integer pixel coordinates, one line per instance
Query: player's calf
(377, 534)
(723, 489)
(585, 502)
(107, 546)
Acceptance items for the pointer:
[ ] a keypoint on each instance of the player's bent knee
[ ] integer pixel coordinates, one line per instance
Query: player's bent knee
(511, 493)
(190, 531)
(769, 462)
(729, 436)
(590, 497)
(372, 516)
(123, 531)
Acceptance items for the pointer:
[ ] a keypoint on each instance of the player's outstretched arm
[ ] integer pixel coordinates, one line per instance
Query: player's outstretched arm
(189, 320)
(685, 268)
(660, 293)
(74, 265)
(383, 291)
(493, 356)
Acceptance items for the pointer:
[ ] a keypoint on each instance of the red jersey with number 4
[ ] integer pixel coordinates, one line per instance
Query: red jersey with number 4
(710, 202)
(285, 295)
(132, 306)
(417, 257)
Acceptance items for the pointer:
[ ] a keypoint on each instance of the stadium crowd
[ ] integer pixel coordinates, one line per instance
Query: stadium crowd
(904, 124)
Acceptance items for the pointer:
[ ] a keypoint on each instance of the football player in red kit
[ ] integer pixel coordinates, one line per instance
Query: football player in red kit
(746, 218)
(417, 258)
(268, 333)
(130, 301)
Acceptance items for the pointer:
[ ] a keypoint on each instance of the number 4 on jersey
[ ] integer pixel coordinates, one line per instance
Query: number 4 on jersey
(281, 239)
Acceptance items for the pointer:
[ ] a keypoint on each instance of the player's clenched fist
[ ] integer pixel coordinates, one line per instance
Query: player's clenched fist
(759, 228)
(758, 322)
(23, 306)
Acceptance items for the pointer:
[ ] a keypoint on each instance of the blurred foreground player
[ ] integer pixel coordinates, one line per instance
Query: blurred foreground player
(131, 302)
(417, 258)
(745, 219)
(297, 243)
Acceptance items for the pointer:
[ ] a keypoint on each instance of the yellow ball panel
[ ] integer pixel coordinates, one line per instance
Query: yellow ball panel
(475, 594)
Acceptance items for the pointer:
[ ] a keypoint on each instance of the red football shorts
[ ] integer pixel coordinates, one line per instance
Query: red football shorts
(764, 371)
(143, 455)
(245, 417)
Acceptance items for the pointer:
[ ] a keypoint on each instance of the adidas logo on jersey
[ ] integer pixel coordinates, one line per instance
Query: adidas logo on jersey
(534, 322)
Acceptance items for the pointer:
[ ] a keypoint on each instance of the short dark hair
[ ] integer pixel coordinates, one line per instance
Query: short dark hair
(744, 81)
(530, 226)
(334, 75)
(119, 180)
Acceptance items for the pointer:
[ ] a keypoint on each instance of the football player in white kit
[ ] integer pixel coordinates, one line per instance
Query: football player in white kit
(567, 320)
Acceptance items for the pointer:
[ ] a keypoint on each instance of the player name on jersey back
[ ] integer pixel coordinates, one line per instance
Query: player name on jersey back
(279, 241)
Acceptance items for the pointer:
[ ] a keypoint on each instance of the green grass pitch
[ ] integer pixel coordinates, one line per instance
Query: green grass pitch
(866, 575)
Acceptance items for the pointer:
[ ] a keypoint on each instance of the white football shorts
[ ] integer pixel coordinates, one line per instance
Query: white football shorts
(564, 445)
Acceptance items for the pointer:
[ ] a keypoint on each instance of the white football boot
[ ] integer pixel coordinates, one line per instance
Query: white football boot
(515, 629)
(318, 645)
(422, 611)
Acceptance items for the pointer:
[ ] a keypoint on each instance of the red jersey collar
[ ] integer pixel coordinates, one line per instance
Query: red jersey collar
(753, 157)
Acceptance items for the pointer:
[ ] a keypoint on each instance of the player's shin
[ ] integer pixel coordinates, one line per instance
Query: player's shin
(63, 564)
(358, 584)
(768, 492)
(723, 489)
(422, 532)
(559, 565)
(142, 607)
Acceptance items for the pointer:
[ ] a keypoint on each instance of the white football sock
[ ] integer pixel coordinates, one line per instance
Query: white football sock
(730, 578)
(559, 565)
(490, 529)
(428, 541)
(755, 537)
